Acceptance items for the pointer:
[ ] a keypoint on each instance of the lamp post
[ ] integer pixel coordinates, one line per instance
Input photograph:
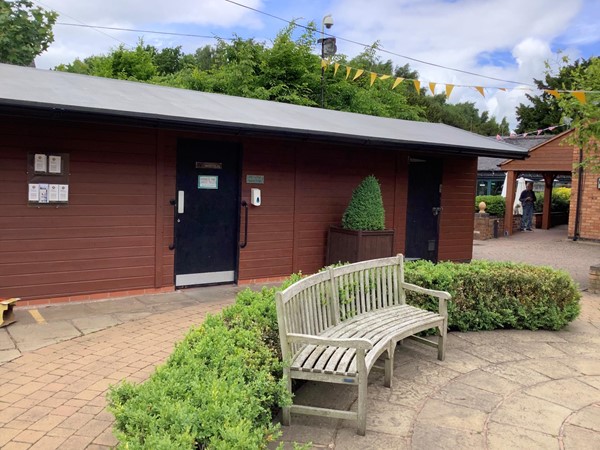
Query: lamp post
(328, 48)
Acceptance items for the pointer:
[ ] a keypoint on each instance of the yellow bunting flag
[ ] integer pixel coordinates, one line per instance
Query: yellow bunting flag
(397, 82)
(432, 87)
(417, 84)
(348, 69)
(449, 88)
(384, 77)
(323, 64)
(336, 66)
(358, 73)
(579, 95)
(480, 90)
(552, 92)
(373, 77)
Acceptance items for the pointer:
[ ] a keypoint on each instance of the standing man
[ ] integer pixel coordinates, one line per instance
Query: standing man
(527, 199)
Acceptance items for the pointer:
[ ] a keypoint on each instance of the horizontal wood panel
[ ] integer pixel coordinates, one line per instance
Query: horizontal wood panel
(100, 275)
(104, 238)
(70, 255)
(97, 263)
(74, 232)
(70, 287)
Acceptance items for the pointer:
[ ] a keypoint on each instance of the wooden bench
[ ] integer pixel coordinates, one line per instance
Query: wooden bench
(336, 324)
(6, 307)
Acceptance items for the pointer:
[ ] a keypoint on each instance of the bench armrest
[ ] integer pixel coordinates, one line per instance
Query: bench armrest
(443, 296)
(358, 343)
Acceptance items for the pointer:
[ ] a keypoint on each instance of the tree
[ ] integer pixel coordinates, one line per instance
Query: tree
(545, 110)
(585, 116)
(25, 31)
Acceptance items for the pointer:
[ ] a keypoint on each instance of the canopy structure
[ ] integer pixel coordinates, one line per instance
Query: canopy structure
(550, 159)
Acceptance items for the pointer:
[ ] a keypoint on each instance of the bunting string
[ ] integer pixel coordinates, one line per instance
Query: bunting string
(529, 133)
(580, 95)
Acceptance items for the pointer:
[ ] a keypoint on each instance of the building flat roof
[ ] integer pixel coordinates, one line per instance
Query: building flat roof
(30, 88)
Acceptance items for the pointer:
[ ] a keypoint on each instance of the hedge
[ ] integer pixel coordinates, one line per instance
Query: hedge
(217, 390)
(490, 295)
(561, 200)
(495, 204)
(221, 385)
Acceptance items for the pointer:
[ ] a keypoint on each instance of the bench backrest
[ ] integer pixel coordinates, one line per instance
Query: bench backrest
(368, 285)
(322, 300)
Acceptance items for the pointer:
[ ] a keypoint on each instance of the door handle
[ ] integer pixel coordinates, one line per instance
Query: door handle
(180, 202)
(436, 210)
(245, 205)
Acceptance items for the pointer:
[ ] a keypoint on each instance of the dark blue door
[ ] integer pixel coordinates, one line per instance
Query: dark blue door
(207, 212)
(423, 210)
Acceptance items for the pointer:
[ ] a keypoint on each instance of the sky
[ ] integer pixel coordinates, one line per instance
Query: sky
(509, 40)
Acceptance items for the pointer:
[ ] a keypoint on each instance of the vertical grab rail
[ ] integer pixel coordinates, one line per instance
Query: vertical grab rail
(245, 205)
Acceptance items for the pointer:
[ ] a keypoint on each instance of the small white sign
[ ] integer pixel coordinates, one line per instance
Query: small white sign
(54, 164)
(208, 182)
(63, 192)
(34, 193)
(40, 163)
(44, 193)
(53, 192)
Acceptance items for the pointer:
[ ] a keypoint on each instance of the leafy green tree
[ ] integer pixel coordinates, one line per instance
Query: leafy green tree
(25, 31)
(585, 115)
(545, 110)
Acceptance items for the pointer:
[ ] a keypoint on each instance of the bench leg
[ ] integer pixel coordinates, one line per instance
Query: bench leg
(442, 341)
(285, 411)
(389, 366)
(362, 405)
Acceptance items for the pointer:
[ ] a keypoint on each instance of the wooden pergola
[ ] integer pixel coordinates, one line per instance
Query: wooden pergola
(550, 159)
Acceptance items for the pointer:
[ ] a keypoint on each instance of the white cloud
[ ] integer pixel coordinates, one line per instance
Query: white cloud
(73, 42)
(468, 34)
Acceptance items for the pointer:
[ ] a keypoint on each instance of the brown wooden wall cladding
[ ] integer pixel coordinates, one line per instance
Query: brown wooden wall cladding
(114, 235)
(104, 239)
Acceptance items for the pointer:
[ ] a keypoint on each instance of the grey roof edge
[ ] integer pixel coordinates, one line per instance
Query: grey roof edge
(244, 129)
(297, 120)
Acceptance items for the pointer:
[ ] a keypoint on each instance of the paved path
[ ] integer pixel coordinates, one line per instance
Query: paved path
(496, 390)
(543, 247)
(55, 397)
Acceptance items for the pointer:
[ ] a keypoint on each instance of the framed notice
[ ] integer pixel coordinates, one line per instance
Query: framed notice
(47, 179)
(208, 182)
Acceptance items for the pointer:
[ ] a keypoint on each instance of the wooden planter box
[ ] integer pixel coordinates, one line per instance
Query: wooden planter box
(353, 246)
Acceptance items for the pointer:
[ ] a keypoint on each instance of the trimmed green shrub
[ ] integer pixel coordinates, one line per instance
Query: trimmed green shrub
(495, 204)
(217, 390)
(489, 295)
(365, 210)
(561, 200)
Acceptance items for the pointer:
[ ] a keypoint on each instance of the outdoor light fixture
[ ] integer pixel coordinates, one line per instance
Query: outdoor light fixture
(328, 48)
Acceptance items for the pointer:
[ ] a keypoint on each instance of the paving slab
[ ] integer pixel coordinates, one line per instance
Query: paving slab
(34, 336)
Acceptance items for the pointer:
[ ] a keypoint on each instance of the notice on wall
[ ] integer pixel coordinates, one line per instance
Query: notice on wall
(44, 193)
(54, 164)
(53, 192)
(34, 192)
(208, 182)
(40, 163)
(63, 192)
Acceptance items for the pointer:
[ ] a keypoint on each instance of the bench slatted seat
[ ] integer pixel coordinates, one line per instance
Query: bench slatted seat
(336, 324)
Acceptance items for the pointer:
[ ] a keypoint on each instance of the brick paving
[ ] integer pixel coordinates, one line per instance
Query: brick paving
(55, 397)
(489, 393)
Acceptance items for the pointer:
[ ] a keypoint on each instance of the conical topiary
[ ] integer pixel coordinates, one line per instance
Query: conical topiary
(365, 210)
